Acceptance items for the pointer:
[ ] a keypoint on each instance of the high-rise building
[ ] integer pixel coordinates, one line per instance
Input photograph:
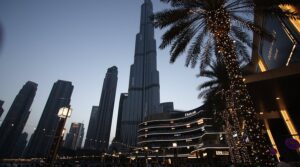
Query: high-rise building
(91, 132)
(143, 93)
(42, 138)
(16, 119)
(74, 137)
(1, 108)
(106, 108)
(100, 120)
(20, 146)
(120, 111)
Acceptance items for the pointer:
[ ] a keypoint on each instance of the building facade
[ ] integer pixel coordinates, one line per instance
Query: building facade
(167, 107)
(143, 92)
(90, 140)
(1, 108)
(99, 129)
(75, 136)
(275, 81)
(16, 118)
(20, 145)
(106, 108)
(183, 135)
(119, 120)
(42, 138)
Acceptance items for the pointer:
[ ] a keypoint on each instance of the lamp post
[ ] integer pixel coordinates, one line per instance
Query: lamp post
(175, 154)
(63, 114)
(146, 155)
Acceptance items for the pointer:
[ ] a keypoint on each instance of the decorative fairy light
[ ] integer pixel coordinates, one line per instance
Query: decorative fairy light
(250, 145)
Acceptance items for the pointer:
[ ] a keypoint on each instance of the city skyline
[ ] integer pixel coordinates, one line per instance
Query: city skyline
(86, 81)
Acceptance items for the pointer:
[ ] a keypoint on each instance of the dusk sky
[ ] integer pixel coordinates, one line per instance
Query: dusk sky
(77, 40)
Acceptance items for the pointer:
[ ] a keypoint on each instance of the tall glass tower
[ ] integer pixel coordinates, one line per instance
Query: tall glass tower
(90, 140)
(106, 108)
(42, 138)
(143, 92)
(15, 120)
(101, 117)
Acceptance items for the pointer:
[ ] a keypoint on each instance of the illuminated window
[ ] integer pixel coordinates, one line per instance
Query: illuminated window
(200, 121)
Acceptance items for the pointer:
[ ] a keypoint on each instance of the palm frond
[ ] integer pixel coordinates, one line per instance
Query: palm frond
(206, 73)
(181, 42)
(175, 31)
(167, 17)
(242, 52)
(209, 84)
(195, 50)
(206, 55)
(204, 92)
(241, 35)
(249, 25)
(276, 11)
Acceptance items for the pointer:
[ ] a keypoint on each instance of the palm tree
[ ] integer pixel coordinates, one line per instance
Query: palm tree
(206, 26)
(212, 90)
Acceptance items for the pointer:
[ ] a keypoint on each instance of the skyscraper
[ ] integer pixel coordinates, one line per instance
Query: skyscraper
(106, 108)
(16, 119)
(41, 140)
(1, 108)
(143, 93)
(100, 120)
(91, 132)
(75, 136)
(119, 120)
(20, 146)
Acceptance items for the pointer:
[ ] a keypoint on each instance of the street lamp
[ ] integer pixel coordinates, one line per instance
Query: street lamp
(175, 154)
(63, 114)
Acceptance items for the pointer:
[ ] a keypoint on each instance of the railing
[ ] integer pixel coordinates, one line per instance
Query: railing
(177, 138)
(175, 131)
(170, 125)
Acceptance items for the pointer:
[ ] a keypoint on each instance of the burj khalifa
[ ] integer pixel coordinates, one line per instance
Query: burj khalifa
(143, 93)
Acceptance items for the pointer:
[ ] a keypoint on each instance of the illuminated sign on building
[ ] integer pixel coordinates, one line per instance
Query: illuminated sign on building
(222, 152)
(190, 113)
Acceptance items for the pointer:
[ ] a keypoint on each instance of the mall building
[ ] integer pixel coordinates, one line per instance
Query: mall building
(181, 136)
(275, 82)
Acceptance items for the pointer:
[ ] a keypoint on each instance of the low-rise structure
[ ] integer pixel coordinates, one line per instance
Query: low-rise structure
(190, 134)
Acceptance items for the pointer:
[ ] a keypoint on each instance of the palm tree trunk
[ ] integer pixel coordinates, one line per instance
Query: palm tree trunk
(252, 132)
